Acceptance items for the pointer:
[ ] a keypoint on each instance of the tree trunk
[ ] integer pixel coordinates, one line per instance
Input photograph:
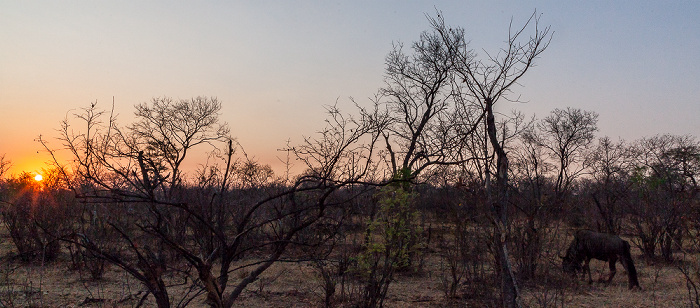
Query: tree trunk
(509, 290)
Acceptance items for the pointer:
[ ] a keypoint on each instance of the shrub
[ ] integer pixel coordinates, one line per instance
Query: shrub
(36, 214)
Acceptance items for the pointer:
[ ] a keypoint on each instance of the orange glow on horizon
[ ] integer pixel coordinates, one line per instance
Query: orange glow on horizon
(29, 161)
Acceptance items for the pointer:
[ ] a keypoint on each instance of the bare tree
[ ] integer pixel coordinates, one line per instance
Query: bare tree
(423, 132)
(531, 169)
(109, 172)
(665, 181)
(567, 133)
(234, 211)
(611, 168)
(5, 165)
(488, 81)
(423, 127)
(167, 129)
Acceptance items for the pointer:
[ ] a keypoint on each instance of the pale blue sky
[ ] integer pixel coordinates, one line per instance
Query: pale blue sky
(275, 64)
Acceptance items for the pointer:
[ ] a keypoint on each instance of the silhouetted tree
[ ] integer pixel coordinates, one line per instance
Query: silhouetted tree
(567, 133)
(231, 211)
(663, 184)
(611, 168)
(4, 166)
(488, 81)
(533, 200)
(423, 127)
(166, 129)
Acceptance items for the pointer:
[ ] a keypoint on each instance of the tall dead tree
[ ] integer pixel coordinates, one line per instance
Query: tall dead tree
(489, 80)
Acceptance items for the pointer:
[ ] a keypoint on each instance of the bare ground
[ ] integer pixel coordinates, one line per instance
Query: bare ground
(298, 285)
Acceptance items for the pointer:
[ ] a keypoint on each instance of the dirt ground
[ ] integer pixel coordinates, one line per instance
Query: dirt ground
(298, 285)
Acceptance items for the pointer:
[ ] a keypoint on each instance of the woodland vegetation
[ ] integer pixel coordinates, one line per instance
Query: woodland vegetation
(427, 178)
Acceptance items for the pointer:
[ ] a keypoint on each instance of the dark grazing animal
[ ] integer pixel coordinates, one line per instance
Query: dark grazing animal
(589, 245)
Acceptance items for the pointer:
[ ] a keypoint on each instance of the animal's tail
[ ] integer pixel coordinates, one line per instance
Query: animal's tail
(629, 266)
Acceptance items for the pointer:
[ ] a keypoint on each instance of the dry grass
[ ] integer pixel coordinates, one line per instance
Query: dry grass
(662, 286)
(298, 285)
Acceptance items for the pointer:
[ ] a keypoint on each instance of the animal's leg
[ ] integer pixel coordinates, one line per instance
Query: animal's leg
(587, 268)
(631, 271)
(613, 270)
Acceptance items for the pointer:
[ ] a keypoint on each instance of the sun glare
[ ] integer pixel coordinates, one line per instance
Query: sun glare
(38, 177)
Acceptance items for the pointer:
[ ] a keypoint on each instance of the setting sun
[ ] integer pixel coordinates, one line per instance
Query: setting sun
(38, 177)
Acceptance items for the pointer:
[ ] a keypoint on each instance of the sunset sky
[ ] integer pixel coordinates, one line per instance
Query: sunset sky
(275, 64)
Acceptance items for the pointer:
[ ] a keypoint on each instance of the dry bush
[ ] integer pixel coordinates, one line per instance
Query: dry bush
(36, 215)
(549, 286)
(461, 241)
(689, 267)
(92, 229)
(464, 261)
(392, 243)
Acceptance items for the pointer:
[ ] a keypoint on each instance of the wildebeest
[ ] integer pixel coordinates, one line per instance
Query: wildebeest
(589, 245)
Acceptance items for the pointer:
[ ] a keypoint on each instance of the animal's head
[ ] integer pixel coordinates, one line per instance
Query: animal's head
(571, 263)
